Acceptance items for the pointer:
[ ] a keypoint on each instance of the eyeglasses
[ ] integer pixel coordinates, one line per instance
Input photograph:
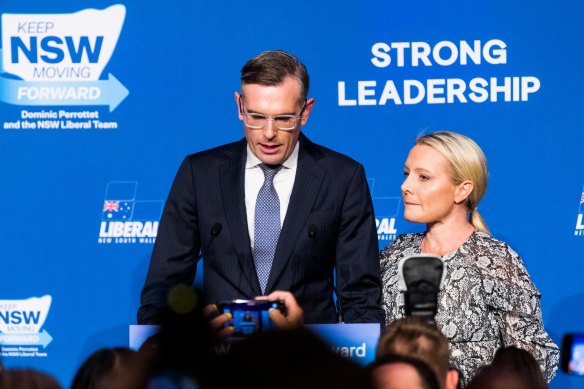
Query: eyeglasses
(257, 121)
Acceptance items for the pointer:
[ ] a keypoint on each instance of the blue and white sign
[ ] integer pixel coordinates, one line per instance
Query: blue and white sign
(21, 327)
(101, 100)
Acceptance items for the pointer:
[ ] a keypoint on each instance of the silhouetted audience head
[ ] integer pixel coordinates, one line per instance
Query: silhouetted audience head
(511, 368)
(111, 368)
(415, 338)
(181, 351)
(286, 360)
(27, 379)
(393, 371)
(489, 377)
(149, 351)
(522, 362)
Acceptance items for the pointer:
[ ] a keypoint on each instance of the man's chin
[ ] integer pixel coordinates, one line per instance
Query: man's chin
(271, 159)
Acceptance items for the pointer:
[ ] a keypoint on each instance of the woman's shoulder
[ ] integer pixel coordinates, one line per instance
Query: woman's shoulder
(498, 260)
(505, 278)
(485, 244)
(405, 244)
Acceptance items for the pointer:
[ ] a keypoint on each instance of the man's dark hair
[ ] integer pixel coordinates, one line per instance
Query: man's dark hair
(515, 360)
(415, 338)
(270, 68)
(427, 376)
(118, 367)
(18, 378)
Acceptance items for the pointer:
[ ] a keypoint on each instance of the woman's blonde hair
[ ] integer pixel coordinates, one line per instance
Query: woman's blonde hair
(466, 162)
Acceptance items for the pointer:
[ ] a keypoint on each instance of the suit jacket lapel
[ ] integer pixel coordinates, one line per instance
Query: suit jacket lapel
(309, 178)
(233, 192)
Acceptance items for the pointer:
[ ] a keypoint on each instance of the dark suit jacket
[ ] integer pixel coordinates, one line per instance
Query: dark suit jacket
(329, 225)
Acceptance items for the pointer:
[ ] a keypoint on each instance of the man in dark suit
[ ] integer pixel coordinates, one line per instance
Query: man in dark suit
(291, 231)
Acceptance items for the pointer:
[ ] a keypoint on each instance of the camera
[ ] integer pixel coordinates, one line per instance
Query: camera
(573, 353)
(250, 316)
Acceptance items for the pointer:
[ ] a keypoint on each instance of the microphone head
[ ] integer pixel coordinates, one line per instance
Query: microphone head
(422, 272)
(420, 278)
(216, 229)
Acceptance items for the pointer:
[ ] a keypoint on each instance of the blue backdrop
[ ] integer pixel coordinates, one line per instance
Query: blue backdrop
(100, 101)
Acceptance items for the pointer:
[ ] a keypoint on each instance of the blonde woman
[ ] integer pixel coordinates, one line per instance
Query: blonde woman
(488, 299)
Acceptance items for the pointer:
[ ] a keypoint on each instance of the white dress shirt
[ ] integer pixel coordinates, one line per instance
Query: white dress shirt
(254, 179)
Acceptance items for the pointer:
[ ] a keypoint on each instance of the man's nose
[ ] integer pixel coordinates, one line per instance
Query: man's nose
(270, 129)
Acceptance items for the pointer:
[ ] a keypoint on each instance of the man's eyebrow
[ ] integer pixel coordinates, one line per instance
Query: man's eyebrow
(280, 114)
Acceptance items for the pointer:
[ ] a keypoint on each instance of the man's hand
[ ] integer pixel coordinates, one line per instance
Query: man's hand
(217, 322)
(294, 315)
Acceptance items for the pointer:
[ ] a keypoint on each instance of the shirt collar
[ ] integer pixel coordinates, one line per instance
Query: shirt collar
(290, 163)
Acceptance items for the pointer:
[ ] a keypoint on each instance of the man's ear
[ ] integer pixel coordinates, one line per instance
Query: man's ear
(307, 110)
(238, 101)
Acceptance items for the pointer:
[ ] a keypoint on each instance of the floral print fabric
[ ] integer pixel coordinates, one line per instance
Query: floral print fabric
(488, 301)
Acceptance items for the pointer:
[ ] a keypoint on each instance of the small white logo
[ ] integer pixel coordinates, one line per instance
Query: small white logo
(579, 231)
(21, 322)
(58, 59)
(125, 219)
(386, 210)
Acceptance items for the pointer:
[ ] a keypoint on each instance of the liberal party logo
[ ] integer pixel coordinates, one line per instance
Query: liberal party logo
(386, 210)
(579, 231)
(20, 327)
(125, 219)
(58, 59)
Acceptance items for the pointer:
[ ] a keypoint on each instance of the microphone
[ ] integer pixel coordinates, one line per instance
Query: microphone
(215, 231)
(312, 232)
(420, 278)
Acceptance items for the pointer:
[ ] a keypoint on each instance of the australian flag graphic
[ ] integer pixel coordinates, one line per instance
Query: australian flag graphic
(120, 203)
